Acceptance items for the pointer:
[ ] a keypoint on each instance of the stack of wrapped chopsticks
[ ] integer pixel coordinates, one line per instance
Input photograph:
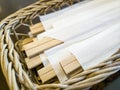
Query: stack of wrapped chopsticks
(73, 39)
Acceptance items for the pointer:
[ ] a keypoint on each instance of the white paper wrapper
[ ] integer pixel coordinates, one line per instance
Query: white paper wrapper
(81, 27)
(81, 7)
(98, 48)
(49, 19)
(54, 61)
(91, 12)
(44, 59)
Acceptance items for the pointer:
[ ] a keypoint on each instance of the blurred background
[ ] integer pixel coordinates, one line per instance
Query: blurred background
(8, 7)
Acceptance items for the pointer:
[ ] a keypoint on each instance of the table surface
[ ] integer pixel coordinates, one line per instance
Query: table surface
(8, 7)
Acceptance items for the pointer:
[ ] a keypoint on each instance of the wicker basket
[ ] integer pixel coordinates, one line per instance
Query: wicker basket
(13, 65)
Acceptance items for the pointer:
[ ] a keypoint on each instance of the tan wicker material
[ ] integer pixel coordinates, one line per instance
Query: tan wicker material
(12, 64)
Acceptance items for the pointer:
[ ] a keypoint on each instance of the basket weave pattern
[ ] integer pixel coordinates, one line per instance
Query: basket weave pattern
(18, 78)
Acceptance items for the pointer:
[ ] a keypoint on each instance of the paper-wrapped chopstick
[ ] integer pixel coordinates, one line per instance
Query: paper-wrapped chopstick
(89, 53)
(79, 8)
(59, 17)
(49, 19)
(36, 29)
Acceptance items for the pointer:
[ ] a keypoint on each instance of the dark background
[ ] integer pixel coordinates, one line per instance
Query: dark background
(8, 7)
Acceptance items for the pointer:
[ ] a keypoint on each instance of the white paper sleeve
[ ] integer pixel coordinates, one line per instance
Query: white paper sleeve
(54, 60)
(97, 48)
(82, 27)
(49, 19)
(94, 11)
(44, 59)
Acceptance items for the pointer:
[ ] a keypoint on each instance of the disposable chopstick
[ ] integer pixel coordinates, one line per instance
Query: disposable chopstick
(37, 50)
(33, 62)
(37, 43)
(69, 65)
(36, 28)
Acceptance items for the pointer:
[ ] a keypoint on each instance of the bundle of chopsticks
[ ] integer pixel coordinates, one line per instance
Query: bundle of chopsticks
(73, 39)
